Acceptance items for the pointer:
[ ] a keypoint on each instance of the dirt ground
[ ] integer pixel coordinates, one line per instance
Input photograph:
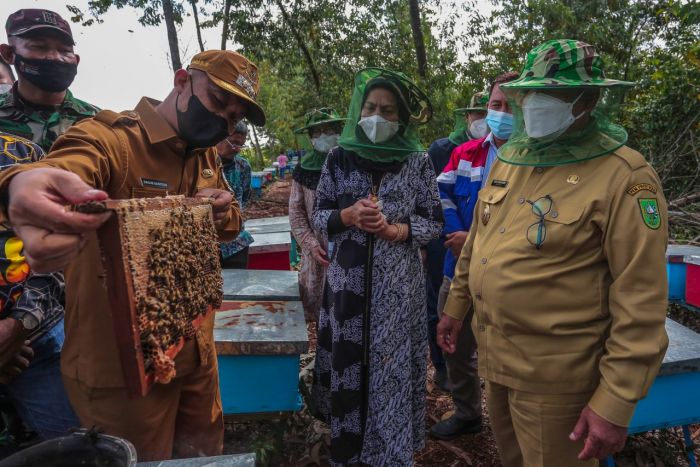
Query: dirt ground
(300, 440)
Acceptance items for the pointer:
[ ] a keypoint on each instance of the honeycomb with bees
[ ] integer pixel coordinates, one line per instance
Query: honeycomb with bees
(163, 276)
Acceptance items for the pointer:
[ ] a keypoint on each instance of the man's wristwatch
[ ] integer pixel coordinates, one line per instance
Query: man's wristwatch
(28, 320)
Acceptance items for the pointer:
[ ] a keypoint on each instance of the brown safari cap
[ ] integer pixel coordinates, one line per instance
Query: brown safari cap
(234, 73)
(29, 20)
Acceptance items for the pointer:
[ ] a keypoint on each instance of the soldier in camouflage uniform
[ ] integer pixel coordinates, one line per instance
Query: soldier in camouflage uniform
(39, 107)
(562, 268)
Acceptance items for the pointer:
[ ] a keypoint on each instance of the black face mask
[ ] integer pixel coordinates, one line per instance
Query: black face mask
(47, 75)
(199, 127)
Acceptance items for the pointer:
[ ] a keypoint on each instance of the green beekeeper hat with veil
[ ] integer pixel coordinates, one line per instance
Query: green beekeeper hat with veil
(312, 158)
(478, 103)
(414, 109)
(556, 75)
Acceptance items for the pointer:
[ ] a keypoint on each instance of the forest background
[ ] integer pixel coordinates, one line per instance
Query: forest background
(308, 52)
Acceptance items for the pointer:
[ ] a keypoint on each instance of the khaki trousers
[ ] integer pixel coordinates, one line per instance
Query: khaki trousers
(532, 430)
(462, 365)
(180, 419)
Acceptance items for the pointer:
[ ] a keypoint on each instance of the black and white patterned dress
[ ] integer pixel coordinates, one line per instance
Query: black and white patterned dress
(391, 300)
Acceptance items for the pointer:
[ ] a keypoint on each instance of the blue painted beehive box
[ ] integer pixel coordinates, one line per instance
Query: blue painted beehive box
(676, 269)
(259, 344)
(673, 398)
(260, 334)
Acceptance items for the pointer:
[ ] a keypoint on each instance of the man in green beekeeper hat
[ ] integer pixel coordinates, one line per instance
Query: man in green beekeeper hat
(470, 122)
(562, 267)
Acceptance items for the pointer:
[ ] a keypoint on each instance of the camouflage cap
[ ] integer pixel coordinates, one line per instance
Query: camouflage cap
(319, 117)
(32, 20)
(234, 73)
(563, 63)
(478, 103)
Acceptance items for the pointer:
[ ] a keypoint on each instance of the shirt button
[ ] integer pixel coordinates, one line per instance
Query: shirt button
(478, 296)
(483, 260)
(179, 145)
(502, 229)
(555, 214)
(521, 200)
(539, 170)
(482, 328)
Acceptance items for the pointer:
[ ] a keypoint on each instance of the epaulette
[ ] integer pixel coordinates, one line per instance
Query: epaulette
(111, 118)
(631, 157)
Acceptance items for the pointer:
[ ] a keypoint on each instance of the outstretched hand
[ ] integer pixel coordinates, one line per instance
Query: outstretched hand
(52, 234)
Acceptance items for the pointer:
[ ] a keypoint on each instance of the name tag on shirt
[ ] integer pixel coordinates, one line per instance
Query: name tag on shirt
(150, 183)
(500, 183)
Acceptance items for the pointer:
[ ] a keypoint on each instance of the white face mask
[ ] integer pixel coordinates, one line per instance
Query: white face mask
(478, 128)
(325, 143)
(546, 115)
(5, 87)
(378, 129)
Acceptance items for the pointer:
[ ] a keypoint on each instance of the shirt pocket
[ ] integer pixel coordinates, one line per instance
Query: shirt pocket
(490, 201)
(564, 230)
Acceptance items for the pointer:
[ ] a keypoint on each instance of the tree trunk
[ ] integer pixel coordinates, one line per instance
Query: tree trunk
(418, 37)
(224, 33)
(196, 24)
(172, 34)
(257, 147)
(302, 46)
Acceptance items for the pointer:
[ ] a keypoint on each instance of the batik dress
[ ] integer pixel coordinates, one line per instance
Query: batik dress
(371, 355)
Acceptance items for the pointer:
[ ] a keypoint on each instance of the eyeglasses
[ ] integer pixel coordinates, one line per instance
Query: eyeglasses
(537, 232)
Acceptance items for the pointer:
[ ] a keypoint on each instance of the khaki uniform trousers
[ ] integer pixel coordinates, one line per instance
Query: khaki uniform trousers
(462, 365)
(180, 419)
(532, 430)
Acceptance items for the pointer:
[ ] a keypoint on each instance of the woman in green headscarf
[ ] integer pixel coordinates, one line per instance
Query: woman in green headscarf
(377, 202)
(317, 137)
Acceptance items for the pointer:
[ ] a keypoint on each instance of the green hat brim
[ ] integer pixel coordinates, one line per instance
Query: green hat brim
(320, 122)
(554, 83)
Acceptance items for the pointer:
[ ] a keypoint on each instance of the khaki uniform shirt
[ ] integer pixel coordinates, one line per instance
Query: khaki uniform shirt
(129, 155)
(586, 311)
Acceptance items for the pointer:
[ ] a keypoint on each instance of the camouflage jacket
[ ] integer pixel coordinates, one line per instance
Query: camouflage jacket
(41, 124)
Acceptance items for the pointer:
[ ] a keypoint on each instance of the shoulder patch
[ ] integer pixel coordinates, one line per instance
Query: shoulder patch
(650, 212)
(634, 189)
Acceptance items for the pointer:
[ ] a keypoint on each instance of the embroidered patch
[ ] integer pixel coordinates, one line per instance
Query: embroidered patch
(500, 183)
(150, 183)
(634, 189)
(650, 212)
(207, 173)
(573, 179)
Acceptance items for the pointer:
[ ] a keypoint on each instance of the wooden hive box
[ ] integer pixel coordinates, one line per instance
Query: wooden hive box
(163, 277)
(259, 345)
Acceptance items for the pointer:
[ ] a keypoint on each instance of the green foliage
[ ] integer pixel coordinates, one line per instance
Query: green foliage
(151, 11)
(298, 43)
(653, 43)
